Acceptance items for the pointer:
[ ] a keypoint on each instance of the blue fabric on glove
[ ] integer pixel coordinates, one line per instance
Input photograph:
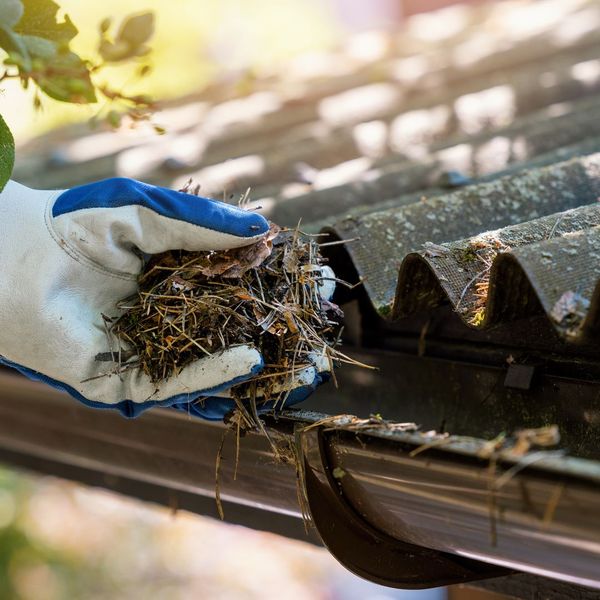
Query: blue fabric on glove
(127, 408)
(214, 409)
(119, 191)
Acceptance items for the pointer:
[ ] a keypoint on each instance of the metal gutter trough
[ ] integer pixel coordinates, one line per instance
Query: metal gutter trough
(391, 503)
(537, 514)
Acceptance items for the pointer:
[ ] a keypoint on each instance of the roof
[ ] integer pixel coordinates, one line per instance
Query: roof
(464, 160)
(461, 163)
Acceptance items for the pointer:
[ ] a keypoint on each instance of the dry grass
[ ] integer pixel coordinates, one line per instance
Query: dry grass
(192, 304)
(268, 295)
(484, 250)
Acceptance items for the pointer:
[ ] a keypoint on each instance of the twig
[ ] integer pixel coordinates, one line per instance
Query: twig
(217, 476)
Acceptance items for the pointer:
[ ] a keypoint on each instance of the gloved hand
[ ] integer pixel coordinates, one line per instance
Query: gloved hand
(67, 258)
(302, 385)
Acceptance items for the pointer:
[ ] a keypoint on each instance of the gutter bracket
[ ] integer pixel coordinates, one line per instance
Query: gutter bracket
(368, 552)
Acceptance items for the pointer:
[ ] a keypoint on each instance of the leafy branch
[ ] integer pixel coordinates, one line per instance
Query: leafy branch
(36, 44)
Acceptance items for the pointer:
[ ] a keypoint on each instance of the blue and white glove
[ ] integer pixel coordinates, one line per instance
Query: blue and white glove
(67, 258)
(300, 386)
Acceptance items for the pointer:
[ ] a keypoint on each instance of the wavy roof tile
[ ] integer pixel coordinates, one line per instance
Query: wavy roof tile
(466, 159)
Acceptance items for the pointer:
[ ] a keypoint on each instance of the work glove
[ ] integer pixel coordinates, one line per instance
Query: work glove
(67, 258)
(297, 389)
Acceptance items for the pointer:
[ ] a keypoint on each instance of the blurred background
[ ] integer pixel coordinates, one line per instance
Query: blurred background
(60, 540)
(198, 41)
(195, 42)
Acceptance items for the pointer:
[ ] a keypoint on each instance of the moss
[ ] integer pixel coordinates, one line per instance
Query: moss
(466, 255)
(385, 310)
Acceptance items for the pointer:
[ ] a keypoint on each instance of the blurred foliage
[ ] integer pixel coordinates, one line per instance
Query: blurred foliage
(29, 568)
(194, 43)
(7, 152)
(36, 41)
(62, 541)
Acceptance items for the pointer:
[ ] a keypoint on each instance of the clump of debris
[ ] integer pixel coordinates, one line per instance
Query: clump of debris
(569, 312)
(268, 294)
(478, 256)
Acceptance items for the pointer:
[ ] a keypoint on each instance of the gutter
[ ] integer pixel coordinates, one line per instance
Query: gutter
(404, 521)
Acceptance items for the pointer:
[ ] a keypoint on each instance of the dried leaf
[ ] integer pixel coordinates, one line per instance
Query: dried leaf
(235, 263)
(569, 312)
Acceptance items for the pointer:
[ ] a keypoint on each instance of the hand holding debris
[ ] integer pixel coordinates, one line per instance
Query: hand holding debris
(274, 295)
(68, 258)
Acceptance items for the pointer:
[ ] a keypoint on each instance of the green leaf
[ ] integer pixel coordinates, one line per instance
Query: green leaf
(15, 46)
(70, 80)
(40, 19)
(39, 47)
(7, 153)
(129, 43)
(137, 29)
(114, 52)
(11, 12)
(105, 25)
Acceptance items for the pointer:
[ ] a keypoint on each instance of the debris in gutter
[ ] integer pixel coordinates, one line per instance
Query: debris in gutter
(524, 448)
(519, 446)
(356, 424)
(569, 312)
(521, 442)
(542, 437)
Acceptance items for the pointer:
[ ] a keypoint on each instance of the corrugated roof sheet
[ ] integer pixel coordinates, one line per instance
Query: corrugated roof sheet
(465, 158)
(412, 223)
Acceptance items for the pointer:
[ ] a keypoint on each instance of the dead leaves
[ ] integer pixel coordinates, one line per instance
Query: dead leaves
(238, 261)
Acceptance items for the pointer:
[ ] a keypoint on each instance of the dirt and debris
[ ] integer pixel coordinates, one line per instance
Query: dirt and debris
(268, 295)
(521, 442)
(192, 304)
(569, 312)
(479, 255)
(374, 422)
(526, 447)
(271, 294)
